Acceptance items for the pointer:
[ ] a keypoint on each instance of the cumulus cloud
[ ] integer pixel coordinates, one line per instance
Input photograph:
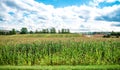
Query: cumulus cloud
(97, 3)
(111, 15)
(34, 15)
(116, 25)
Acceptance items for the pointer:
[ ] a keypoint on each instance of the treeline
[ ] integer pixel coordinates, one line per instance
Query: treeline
(7, 32)
(112, 34)
(43, 31)
(53, 31)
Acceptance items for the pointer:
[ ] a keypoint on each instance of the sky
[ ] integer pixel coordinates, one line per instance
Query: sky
(76, 15)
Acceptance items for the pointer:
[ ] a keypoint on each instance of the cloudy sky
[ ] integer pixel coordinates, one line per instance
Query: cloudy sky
(77, 15)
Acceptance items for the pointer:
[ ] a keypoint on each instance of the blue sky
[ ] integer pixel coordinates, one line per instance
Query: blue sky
(77, 15)
(63, 3)
(106, 4)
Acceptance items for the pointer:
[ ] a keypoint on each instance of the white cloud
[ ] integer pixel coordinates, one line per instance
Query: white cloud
(34, 15)
(96, 3)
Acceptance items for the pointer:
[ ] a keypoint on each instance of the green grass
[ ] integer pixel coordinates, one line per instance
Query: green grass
(33, 50)
(89, 67)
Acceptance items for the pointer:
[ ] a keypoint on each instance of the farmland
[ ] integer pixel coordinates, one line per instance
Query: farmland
(58, 49)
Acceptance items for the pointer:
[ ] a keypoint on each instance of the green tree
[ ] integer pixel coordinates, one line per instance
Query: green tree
(43, 30)
(10, 33)
(64, 31)
(31, 32)
(67, 31)
(36, 32)
(113, 33)
(52, 30)
(13, 31)
(47, 31)
(24, 31)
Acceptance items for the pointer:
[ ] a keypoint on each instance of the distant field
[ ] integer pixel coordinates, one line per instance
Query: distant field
(46, 35)
(58, 49)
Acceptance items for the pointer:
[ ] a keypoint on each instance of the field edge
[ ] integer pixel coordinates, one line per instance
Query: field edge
(88, 67)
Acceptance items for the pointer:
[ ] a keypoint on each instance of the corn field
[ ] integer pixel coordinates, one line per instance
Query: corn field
(58, 50)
